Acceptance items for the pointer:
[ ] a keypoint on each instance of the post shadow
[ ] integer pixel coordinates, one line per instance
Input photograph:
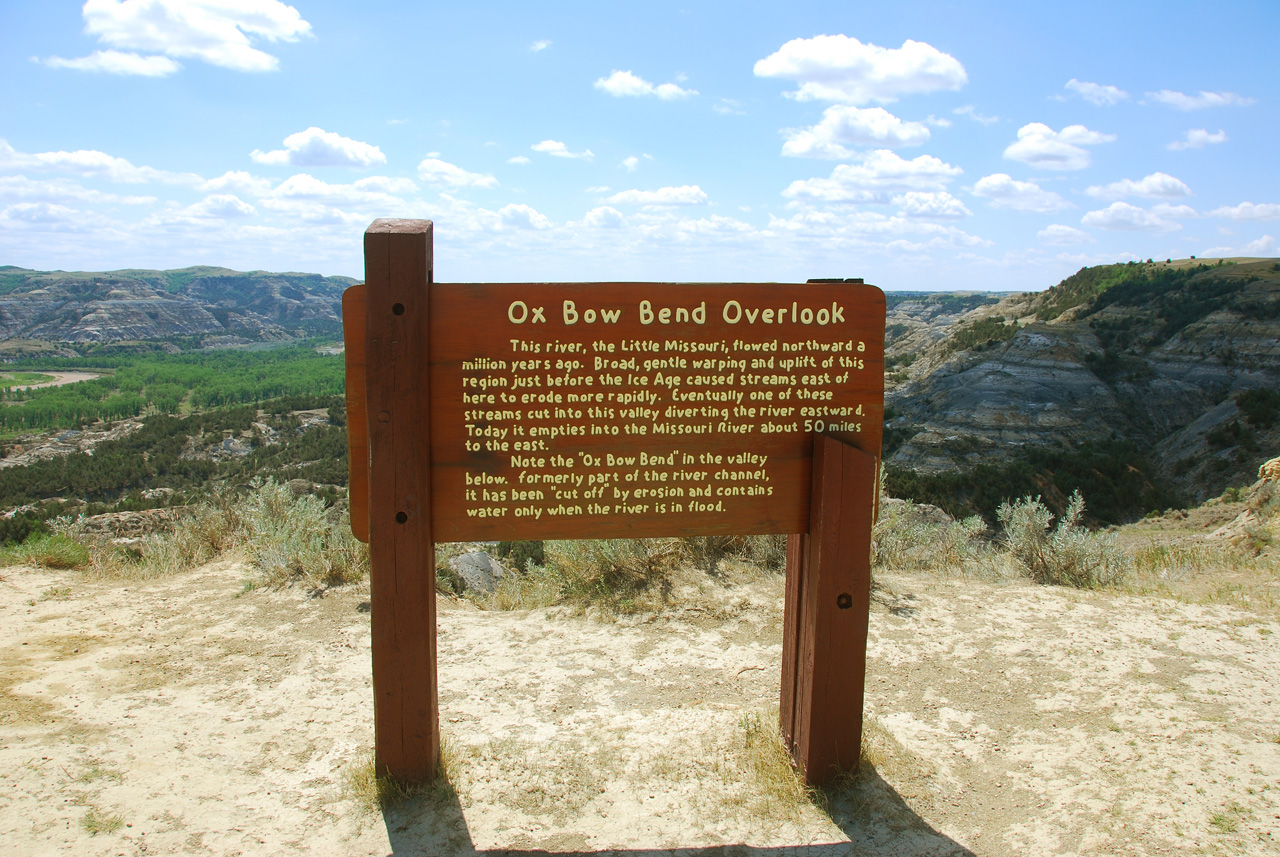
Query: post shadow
(873, 817)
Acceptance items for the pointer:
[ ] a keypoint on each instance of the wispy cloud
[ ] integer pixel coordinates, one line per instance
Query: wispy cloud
(1182, 101)
(559, 150)
(622, 84)
(1198, 138)
(1097, 93)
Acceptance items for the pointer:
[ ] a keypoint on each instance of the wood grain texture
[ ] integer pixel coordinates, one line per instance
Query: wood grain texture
(353, 333)
(832, 597)
(473, 326)
(398, 259)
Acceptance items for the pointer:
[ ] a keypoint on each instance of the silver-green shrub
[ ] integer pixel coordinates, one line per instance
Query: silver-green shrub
(1066, 554)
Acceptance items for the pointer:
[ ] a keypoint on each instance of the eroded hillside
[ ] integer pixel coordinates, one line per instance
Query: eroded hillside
(1176, 365)
(213, 306)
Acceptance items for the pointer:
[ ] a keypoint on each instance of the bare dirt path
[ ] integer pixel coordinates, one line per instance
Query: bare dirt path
(1011, 720)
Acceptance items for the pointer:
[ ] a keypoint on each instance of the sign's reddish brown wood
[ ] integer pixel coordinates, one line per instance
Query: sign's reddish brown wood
(353, 324)
(825, 621)
(401, 548)
(533, 381)
(474, 391)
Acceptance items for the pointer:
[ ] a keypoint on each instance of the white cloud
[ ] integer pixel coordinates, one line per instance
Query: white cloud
(218, 32)
(520, 216)
(1182, 101)
(222, 206)
(385, 184)
(716, 225)
(841, 68)
(540, 45)
(970, 111)
(1004, 191)
(370, 192)
(444, 174)
(1248, 211)
(1041, 146)
(40, 213)
(1263, 246)
(1198, 138)
(880, 172)
(1064, 236)
(598, 189)
(623, 83)
(236, 180)
(632, 162)
(560, 150)
(931, 205)
(88, 163)
(662, 197)
(519, 159)
(1154, 186)
(604, 217)
(316, 147)
(1096, 93)
(728, 107)
(61, 190)
(872, 231)
(118, 62)
(1123, 216)
(857, 126)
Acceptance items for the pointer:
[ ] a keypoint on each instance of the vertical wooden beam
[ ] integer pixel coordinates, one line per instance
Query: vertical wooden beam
(353, 333)
(825, 647)
(398, 273)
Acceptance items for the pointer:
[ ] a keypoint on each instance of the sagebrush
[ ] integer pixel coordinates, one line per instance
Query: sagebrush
(1066, 554)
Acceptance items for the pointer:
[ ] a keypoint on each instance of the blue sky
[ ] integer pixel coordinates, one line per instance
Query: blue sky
(931, 145)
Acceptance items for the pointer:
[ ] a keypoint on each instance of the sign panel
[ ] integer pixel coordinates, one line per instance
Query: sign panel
(626, 410)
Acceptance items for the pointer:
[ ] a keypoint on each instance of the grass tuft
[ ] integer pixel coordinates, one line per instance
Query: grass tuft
(97, 821)
(374, 794)
(47, 550)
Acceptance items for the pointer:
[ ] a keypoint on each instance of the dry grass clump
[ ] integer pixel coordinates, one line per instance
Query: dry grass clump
(374, 793)
(615, 576)
(46, 550)
(904, 539)
(286, 538)
(775, 788)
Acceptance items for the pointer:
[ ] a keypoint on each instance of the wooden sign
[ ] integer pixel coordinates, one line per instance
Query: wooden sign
(623, 410)
(613, 410)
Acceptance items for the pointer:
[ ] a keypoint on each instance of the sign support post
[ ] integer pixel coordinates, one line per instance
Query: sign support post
(398, 274)
(613, 410)
(828, 599)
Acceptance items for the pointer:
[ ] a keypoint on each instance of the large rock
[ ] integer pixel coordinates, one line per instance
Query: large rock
(479, 571)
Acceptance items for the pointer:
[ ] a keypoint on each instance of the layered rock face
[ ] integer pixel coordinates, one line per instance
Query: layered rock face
(154, 305)
(1160, 366)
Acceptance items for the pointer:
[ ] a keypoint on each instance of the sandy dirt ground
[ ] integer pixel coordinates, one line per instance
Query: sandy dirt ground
(60, 378)
(197, 717)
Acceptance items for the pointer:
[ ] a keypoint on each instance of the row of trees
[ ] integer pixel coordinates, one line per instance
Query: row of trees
(141, 384)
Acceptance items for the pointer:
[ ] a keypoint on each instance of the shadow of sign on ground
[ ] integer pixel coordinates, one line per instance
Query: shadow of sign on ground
(872, 816)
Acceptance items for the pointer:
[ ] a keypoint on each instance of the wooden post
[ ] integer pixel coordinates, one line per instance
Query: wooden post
(353, 332)
(398, 274)
(828, 597)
